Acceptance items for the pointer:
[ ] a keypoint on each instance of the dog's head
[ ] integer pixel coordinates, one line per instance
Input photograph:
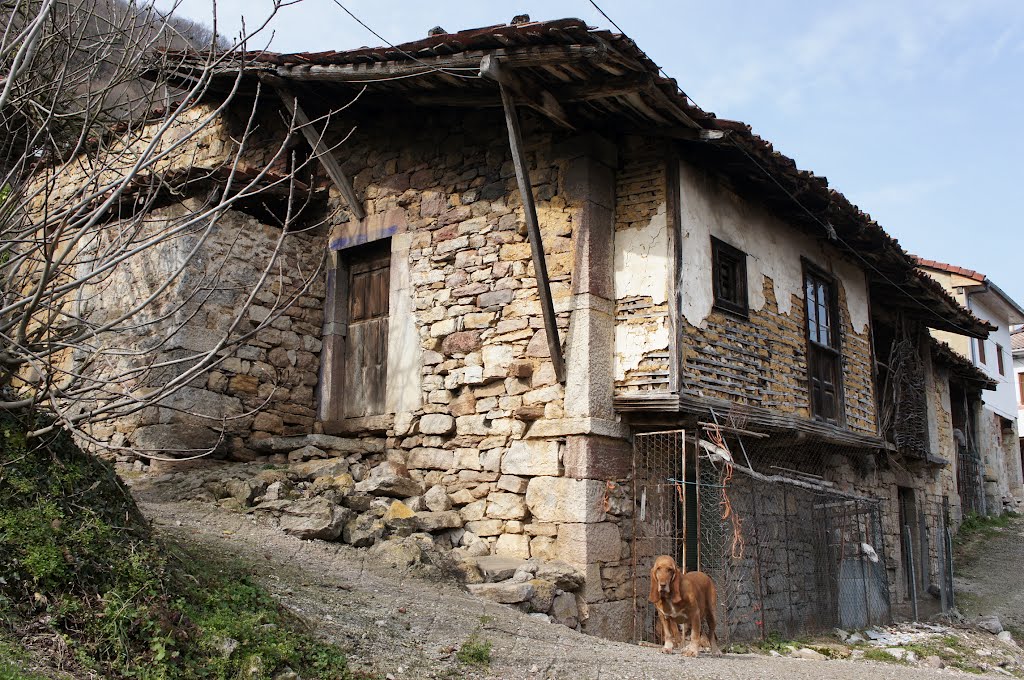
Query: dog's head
(665, 580)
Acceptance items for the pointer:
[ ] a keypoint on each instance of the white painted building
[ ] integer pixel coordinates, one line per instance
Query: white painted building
(998, 428)
(1017, 347)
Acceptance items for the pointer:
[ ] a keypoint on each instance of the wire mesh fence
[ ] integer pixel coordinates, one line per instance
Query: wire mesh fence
(789, 552)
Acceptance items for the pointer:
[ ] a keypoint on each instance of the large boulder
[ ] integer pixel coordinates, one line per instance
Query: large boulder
(363, 531)
(319, 468)
(314, 518)
(439, 521)
(436, 499)
(245, 491)
(390, 479)
(400, 518)
(504, 593)
(564, 576)
(565, 611)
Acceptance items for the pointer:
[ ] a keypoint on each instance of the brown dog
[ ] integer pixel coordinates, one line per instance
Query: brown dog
(683, 599)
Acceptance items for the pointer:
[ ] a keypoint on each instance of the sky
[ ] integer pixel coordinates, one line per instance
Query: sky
(909, 107)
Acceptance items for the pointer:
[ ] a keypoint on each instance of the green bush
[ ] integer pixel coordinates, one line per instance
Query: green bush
(475, 651)
(77, 555)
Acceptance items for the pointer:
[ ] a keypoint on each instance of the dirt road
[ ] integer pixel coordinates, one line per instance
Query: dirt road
(408, 622)
(989, 578)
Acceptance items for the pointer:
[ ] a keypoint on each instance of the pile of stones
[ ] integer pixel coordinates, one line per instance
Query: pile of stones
(367, 501)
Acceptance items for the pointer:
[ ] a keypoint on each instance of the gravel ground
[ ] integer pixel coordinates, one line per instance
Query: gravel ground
(988, 576)
(408, 623)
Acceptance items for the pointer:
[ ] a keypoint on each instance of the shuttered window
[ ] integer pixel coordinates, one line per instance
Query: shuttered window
(729, 277)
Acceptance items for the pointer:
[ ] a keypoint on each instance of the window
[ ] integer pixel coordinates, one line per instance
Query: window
(981, 351)
(729, 277)
(999, 359)
(365, 364)
(824, 361)
(1020, 388)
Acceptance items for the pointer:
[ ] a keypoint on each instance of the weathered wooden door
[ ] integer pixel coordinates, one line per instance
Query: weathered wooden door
(366, 347)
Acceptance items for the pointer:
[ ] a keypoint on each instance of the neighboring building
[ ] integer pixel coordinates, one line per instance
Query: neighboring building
(676, 356)
(1017, 347)
(997, 429)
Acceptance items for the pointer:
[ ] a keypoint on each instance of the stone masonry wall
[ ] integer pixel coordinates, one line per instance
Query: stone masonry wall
(494, 430)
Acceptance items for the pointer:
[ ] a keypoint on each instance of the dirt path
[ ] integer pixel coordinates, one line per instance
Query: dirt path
(989, 577)
(407, 623)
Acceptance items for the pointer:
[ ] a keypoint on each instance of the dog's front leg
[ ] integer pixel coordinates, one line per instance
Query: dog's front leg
(693, 621)
(668, 631)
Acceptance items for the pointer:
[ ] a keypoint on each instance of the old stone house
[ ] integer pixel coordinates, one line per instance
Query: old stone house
(991, 431)
(525, 268)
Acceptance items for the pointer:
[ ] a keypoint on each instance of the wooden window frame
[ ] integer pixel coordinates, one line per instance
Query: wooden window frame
(999, 359)
(737, 259)
(1020, 388)
(981, 352)
(833, 351)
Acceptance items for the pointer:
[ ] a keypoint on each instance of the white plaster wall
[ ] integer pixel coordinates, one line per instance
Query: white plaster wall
(404, 390)
(642, 268)
(1018, 368)
(773, 251)
(1002, 400)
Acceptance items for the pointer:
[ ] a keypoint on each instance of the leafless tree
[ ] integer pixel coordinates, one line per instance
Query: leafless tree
(88, 151)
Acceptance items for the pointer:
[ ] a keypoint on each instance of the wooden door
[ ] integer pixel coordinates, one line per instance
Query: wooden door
(366, 347)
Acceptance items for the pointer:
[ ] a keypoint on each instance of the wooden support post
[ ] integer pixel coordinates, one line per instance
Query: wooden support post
(320, 150)
(515, 141)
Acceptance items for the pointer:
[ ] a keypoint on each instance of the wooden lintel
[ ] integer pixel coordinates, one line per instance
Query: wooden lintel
(663, 403)
(535, 97)
(515, 141)
(320, 149)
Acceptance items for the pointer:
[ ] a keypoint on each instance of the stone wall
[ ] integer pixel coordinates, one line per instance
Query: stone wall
(262, 384)
(482, 422)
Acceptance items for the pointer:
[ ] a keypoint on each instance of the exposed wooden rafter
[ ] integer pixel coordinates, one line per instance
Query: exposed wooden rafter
(536, 98)
(316, 141)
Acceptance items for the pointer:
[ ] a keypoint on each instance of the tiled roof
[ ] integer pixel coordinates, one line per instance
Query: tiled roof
(603, 81)
(1017, 339)
(950, 268)
(960, 367)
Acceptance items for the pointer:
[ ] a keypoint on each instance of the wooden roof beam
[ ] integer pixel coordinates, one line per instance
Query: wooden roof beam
(316, 142)
(532, 95)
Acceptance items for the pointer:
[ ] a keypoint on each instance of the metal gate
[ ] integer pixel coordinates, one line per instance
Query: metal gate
(787, 556)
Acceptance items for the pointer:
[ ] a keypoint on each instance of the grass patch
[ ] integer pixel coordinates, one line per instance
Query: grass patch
(875, 654)
(12, 663)
(475, 651)
(984, 526)
(78, 560)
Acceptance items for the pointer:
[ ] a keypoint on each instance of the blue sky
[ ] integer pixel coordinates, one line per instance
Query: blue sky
(910, 108)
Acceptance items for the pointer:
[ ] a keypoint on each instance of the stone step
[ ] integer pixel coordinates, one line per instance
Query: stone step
(499, 567)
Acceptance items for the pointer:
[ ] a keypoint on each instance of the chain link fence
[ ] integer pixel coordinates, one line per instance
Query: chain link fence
(789, 552)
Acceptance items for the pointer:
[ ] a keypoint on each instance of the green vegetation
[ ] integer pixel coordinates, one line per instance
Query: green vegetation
(12, 663)
(774, 642)
(475, 650)
(875, 654)
(985, 526)
(78, 560)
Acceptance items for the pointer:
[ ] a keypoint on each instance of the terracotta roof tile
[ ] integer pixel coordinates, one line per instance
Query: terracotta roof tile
(951, 268)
